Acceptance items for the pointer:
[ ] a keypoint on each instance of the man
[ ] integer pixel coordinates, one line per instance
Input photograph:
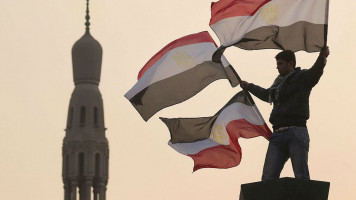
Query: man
(290, 97)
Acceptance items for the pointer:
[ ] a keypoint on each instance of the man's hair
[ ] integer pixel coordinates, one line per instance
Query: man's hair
(286, 55)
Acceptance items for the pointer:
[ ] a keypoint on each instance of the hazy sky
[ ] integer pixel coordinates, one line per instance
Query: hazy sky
(36, 82)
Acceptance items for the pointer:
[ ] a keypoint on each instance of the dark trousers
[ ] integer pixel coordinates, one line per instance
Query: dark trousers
(291, 143)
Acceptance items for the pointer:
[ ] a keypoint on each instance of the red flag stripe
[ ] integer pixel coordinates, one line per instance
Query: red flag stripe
(226, 156)
(232, 8)
(186, 40)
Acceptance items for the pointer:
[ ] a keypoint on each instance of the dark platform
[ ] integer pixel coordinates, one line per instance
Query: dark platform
(285, 189)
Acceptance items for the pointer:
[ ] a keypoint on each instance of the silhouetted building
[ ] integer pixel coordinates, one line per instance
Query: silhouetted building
(85, 147)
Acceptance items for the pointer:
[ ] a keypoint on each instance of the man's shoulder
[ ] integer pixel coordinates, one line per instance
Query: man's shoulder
(298, 74)
(300, 71)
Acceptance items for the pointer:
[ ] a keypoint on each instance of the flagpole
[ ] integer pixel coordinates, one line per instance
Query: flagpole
(218, 53)
(326, 22)
(249, 97)
(217, 59)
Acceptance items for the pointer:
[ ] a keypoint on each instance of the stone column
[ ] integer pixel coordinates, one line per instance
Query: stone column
(85, 189)
(66, 191)
(95, 193)
(74, 185)
(102, 191)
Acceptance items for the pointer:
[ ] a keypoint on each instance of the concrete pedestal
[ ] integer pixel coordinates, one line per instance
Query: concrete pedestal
(285, 189)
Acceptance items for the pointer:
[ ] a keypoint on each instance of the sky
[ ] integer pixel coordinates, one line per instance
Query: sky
(36, 82)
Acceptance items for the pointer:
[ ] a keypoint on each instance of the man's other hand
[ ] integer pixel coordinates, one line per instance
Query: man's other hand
(324, 53)
(244, 84)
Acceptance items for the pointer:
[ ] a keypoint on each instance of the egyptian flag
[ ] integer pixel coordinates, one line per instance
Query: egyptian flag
(177, 72)
(212, 142)
(271, 24)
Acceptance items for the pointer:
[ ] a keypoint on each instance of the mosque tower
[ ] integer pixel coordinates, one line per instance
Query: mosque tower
(85, 148)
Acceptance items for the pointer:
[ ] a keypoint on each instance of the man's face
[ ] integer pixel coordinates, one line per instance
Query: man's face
(284, 67)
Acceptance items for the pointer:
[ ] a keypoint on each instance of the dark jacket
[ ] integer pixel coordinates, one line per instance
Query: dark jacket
(292, 106)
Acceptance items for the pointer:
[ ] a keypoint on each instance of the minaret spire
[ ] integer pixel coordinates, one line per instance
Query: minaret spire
(87, 17)
(85, 147)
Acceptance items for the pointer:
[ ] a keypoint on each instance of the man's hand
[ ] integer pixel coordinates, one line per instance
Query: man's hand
(324, 53)
(244, 84)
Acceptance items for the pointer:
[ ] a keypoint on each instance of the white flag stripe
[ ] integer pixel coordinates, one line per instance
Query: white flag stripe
(194, 147)
(277, 12)
(233, 112)
(174, 62)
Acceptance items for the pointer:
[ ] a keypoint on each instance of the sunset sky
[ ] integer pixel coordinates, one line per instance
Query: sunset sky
(36, 82)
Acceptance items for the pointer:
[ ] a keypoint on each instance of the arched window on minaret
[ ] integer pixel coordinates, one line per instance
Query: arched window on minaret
(96, 117)
(97, 165)
(66, 166)
(81, 164)
(106, 173)
(97, 177)
(70, 117)
(82, 116)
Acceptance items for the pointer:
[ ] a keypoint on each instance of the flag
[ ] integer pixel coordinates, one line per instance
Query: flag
(271, 24)
(177, 72)
(212, 142)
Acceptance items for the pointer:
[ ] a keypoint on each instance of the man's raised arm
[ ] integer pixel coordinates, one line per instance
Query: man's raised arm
(256, 90)
(314, 73)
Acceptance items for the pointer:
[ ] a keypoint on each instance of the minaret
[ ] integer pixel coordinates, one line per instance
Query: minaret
(85, 147)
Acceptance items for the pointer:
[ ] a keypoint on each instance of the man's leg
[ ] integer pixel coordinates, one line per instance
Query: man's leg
(298, 149)
(276, 157)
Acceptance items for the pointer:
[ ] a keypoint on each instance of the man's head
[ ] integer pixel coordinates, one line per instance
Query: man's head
(285, 62)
